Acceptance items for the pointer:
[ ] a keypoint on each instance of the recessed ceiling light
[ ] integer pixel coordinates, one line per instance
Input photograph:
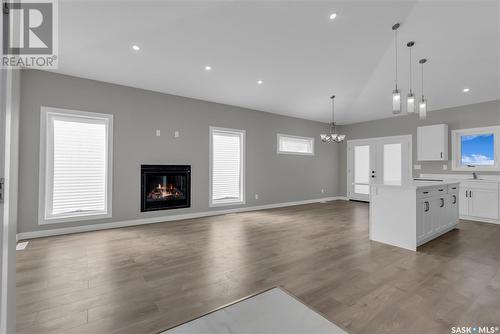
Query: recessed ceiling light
(208, 68)
(466, 90)
(136, 47)
(260, 82)
(333, 16)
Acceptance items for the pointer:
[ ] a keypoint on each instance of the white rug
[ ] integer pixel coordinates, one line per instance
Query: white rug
(271, 312)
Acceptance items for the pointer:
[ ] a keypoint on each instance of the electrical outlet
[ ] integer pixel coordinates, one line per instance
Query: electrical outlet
(323, 190)
(176, 134)
(445, 167)
(158, 133)
(417, 167)
(256, 196)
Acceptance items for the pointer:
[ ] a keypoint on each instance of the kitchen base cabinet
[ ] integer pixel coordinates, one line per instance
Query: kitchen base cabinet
(480, 201)
(410, 215)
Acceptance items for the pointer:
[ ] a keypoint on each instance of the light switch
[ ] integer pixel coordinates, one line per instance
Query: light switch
(445, 167)
(158, 133)
(417, 167)
(176, 134)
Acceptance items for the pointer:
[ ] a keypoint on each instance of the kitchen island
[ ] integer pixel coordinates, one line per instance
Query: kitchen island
(410, 214)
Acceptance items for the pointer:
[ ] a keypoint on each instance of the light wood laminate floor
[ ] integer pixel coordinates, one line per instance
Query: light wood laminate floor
(147, 278)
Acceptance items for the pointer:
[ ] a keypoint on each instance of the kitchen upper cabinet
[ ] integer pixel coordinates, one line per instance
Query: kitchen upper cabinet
(432, 142)
(479, 201)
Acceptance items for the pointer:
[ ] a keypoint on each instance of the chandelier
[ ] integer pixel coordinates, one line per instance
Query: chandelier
(333, 137)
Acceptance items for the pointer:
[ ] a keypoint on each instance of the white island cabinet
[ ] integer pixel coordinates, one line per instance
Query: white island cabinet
(409, 215)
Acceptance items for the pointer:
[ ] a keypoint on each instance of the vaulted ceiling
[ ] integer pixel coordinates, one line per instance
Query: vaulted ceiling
(301, 55)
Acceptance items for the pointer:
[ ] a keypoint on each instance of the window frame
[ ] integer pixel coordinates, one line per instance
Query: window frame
(280, 135)
(456, 148)
(47, 115)
(242, 134)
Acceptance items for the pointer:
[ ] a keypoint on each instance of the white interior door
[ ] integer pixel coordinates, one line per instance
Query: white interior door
(377, 160)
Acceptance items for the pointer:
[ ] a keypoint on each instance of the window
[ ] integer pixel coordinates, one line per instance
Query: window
(227, 166)
(476, 149)
(75, 165)
(288, 144)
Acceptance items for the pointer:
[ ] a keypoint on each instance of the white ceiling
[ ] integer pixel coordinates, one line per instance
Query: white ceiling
(301, 55)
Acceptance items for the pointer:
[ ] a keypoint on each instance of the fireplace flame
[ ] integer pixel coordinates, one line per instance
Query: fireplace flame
(165, 192)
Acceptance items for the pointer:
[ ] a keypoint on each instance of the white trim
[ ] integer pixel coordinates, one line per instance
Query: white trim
(45, 151)
(278, 151)
(380, 138)
(456, 164)
(153, 220)
(480, 219)
(243, 153)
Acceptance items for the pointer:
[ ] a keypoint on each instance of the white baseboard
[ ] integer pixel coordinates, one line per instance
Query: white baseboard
(483, 220)
(153, 220)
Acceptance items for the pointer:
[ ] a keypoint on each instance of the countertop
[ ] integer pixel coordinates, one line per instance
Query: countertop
(416, 184)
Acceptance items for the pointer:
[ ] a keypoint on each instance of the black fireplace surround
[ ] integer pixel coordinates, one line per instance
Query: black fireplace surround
(165, 187)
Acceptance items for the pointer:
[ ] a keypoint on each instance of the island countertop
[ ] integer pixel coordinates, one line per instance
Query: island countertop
(415, 184)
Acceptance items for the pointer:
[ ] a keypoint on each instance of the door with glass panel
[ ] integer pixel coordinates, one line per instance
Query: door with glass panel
(377, 160)
(361, 156)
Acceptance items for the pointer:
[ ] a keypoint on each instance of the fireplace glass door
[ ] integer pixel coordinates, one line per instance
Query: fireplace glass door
(165, 187)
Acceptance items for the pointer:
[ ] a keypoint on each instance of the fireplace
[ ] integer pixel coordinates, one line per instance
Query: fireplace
(165, 187)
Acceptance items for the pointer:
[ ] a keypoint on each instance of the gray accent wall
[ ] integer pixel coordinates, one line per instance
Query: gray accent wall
(468, 116)
(277, 178)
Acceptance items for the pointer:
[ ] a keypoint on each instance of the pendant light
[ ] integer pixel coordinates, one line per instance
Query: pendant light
(333, 137)
(422, 105)
(410, 98)
(396, 94)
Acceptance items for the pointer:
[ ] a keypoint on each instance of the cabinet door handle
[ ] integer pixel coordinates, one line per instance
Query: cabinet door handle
(426, 206)
(454, 199)
(441, 189)
(425, 192)
(441, 155)
(442, 203)
(470, 193)
(466, 193)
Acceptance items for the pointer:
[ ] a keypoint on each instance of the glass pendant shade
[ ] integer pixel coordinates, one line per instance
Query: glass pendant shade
(422, 108)
(396, 101)
(396, 94)
(410, 103)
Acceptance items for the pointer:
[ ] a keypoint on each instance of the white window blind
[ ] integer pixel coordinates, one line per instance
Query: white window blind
(227, 166)
(77, 165)
(295, 145)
